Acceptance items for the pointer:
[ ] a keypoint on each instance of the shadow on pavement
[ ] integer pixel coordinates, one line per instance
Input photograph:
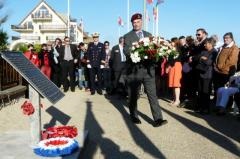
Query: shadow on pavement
(215, 137)
(57, 115)
(138, 136)
(226, 125)
(109, 149)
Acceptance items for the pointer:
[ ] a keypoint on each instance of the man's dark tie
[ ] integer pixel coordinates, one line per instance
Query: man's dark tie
(140, 35)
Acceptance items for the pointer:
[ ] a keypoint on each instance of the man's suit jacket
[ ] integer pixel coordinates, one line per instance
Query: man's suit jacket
(115, 60)
(130, 38)
(61, 52)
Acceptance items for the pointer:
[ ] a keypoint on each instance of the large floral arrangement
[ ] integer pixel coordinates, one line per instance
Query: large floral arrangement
(151, 48)
(167, 51)
(57, 141)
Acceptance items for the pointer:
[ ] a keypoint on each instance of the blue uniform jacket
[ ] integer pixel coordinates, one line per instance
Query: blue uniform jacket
(96, 54)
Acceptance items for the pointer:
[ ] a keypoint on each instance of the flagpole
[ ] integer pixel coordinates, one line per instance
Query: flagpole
(144, 14)
(146, 19)
(128, 10)
(154, 21)
(68, 14)
(157, 22)
(153, 26)
(119, 34)
(157, 16)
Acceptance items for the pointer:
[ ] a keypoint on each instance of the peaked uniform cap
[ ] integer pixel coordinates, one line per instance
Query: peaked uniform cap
(95, 34)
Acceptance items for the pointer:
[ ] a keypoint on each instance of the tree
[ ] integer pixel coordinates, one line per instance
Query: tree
(3, 35)
(3, 40)
(5, 17)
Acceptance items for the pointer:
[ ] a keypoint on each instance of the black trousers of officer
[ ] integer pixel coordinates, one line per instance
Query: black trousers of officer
(134, 81)
(68, 70)
(93, 72)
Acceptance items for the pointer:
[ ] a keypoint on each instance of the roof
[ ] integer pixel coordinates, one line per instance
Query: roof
(45, 3)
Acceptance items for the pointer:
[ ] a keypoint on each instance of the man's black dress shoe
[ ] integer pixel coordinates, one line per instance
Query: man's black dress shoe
(160, 122)
(92, 93)
(99, 92)
(135, 120)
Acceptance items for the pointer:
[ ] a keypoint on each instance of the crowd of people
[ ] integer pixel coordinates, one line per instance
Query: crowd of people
(205, 67)
(92, 67)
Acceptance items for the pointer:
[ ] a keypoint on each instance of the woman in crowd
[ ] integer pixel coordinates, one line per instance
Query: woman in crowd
(205, 68)
(32, 55)
(46, 57)
(175, 73)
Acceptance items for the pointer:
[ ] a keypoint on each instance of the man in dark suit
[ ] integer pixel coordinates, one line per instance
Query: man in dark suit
(67, 58)
(96, 59)
(56, 68)
(117, 63)
(138, 74)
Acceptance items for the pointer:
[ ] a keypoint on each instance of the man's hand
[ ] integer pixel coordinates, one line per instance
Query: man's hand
(101, 66)
(215, 68)
(204, 58)
(226, 84)
(55, 53)
(190, 59)
(89, 66)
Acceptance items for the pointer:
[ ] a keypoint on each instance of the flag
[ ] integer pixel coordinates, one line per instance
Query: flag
(120, 21)
(149, 1)
(155, 13)
(159, 2)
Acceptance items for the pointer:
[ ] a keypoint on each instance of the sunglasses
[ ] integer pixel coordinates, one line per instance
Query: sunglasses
(198, 34)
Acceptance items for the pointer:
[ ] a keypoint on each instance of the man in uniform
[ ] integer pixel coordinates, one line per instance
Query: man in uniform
(138, 74)
(96, 59)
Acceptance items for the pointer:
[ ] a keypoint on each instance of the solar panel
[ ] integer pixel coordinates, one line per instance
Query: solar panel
(33, 75)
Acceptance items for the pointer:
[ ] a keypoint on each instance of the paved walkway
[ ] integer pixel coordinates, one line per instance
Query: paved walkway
(112, 135)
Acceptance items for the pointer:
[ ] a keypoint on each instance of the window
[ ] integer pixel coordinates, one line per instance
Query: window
(42, 12)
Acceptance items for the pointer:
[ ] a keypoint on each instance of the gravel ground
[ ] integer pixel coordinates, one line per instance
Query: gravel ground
(112, 135)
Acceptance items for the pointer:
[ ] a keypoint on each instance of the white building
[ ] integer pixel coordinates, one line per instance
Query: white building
(43, 24)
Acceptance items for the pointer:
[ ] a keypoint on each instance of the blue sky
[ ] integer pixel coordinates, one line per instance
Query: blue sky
(176, 17)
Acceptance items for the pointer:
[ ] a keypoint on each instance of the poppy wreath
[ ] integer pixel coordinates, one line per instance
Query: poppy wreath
(54, 147)
(60, 131)
(27, 108)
